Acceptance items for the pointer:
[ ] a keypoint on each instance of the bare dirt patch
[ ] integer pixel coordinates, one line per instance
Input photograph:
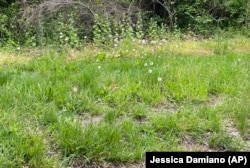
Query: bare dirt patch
(91, 119)
(231, 129)
(191, 144)
(215, 101)
(78, 164)
(169, 107)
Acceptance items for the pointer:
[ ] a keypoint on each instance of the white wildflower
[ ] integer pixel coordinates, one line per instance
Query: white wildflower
(116, 40)
(143, 41)
(75, 89)
(66, 38)
(150, 71)
(145, 64)
(159, 79)
(99, 67)
(151, 63)
(153, 42)
(164, 40)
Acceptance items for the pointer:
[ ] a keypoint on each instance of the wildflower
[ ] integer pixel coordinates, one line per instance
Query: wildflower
(151, 63)
(116, 40)
(145, 64)
(99, 67)
(75, 89)
(67, 39)
(153, 42)
(117, 55)
(18, 48)
(64, 109)
(85, 37)
(133, 50)
(159, 79)
(150, 71)
(164, 40)
(143, 41)
(61, 33)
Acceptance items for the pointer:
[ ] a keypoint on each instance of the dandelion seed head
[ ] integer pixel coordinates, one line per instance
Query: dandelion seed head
(150, 71)
(75, 89)
(151, 63)
(145, 64)
(159, 79)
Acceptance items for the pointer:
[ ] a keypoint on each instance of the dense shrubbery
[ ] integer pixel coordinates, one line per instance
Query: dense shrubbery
(36, 23)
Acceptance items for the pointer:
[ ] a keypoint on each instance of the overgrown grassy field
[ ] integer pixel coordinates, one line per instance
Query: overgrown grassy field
(65, 108)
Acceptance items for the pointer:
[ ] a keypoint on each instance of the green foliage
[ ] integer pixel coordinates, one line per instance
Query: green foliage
(139, 26)
(126, 28)
(102, 30)
(96, 22)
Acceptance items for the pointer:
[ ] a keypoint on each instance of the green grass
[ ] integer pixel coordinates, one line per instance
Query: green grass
(59, 110)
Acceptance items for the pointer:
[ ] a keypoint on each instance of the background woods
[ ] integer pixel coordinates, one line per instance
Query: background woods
(40, 22)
